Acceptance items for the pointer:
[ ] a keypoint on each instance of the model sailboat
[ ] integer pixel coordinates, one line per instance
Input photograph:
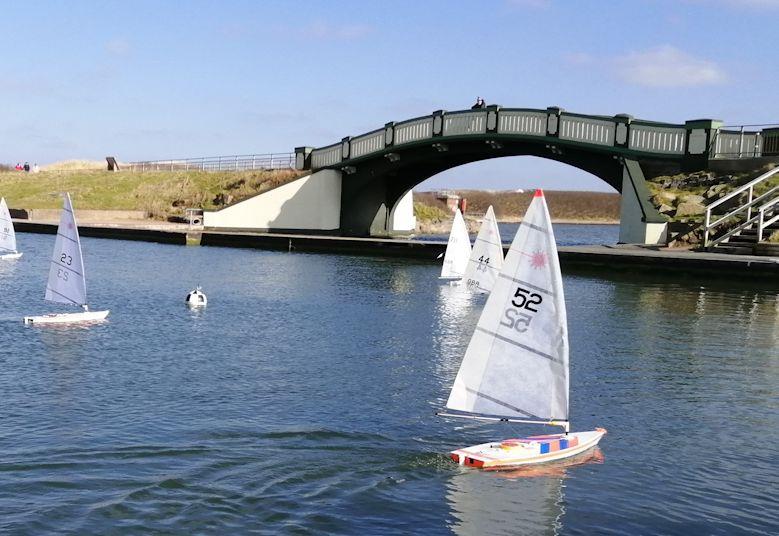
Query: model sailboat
(7, 235)
(516, 366)
(458, 249)
(487, 256)
(67, 283)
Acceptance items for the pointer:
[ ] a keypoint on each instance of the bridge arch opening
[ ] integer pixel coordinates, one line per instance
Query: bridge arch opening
(514, 172)
(395, 214)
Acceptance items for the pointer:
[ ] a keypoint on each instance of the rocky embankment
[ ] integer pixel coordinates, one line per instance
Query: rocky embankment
(683, 200)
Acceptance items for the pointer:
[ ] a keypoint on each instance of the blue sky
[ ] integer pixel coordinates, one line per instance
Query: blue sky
(152, 80)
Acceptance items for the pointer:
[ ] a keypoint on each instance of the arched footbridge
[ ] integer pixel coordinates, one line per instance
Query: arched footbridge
(374, 173)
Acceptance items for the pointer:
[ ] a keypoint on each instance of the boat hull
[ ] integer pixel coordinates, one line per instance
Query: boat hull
(527, 451)
(10, 256)
(67, 318)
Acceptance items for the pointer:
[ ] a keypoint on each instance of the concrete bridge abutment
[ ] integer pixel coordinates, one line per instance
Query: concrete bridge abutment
(314, 204)
(639, 221)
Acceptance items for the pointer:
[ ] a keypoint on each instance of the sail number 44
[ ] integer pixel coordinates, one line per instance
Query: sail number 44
(521, 314)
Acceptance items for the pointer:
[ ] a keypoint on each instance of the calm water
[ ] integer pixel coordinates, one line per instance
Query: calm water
(301, 401)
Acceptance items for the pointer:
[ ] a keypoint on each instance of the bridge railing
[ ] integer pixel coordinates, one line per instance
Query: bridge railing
(698, 138)
(657, 138)
(525, 122)
(745, 142)
(413, 130)
(217, 163)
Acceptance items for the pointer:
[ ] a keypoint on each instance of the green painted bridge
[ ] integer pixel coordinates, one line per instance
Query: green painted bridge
(377, 170)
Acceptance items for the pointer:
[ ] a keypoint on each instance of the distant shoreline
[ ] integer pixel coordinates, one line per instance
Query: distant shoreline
(566, 221)
(473, 222)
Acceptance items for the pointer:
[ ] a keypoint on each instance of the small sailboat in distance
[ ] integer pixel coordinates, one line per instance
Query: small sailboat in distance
(458, 250)
(7, 234)
(516, 366)
(486, 257)
(67, 282)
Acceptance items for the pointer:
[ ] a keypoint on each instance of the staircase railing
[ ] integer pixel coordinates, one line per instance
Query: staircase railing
(762, 223)
(747, 208)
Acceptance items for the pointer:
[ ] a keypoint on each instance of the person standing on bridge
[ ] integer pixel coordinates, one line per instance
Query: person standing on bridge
(479, 104)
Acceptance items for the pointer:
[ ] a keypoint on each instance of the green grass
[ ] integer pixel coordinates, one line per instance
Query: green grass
(161, 193)
(427, 213)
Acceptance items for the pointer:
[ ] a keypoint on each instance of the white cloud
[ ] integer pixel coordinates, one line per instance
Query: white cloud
(117, 47)
(321, 30)
(667, 66)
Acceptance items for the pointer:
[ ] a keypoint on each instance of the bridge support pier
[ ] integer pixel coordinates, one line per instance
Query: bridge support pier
(640, 222)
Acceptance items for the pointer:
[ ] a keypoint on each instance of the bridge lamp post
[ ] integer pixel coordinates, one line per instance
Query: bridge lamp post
(554, 149)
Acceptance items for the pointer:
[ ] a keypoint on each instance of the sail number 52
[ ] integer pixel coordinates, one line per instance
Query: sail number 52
(518, 319)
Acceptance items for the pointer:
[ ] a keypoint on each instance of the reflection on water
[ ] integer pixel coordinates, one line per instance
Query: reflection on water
(526, 500)
(492, 505)
(456, 313)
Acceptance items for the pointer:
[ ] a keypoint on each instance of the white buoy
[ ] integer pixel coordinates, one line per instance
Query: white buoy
(197, 298)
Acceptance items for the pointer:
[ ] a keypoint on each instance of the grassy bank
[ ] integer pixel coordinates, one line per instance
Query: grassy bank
(160, 193)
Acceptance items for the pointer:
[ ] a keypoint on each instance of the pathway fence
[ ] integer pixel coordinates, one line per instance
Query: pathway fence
(241, 162)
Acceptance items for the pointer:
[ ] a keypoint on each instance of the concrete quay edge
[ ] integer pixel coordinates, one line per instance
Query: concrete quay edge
(618, 257)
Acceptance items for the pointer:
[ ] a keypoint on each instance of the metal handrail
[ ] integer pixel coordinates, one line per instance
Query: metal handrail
(761, 222)
(759, 219)
(732, 232)
(218, 163)
(751, 202)
(745, 206)
(741, 189)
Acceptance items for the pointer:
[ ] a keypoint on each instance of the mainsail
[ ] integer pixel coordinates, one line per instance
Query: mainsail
(487, 256)
(458, 249)
(7, 235)
(516, 365)
(66, 275)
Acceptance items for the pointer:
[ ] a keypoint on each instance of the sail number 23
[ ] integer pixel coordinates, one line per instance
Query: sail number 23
(520, 315)
(64, 259)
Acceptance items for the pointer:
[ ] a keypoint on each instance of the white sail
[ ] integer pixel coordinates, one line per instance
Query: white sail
(516, 365)
(7, 235)
(66, 275)
(487, 256)
(458, 249)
